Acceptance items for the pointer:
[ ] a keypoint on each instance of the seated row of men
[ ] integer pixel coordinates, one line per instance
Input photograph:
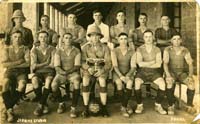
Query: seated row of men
(56, 66)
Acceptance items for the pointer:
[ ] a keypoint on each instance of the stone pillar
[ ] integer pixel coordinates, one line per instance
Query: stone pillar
(56, 21)
(32, 16)
(51, 17)
(46, 9)
(60, 21)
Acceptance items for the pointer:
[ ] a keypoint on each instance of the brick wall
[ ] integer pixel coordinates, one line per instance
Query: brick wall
(188, 25)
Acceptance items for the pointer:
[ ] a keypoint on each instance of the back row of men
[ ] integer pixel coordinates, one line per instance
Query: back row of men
(79, 57)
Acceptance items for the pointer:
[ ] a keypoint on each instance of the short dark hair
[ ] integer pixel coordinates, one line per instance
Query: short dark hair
(69, 13)
(143, 14)
(123, 33)
(122, 11)
(176, 34)
(45, 32)
(67, 33)
(165, 15)
(45, 16)
(148, 31)
(96, 11)
(17, 31)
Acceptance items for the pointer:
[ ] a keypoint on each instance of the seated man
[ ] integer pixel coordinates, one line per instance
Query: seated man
(95, 63)
(149, 62)
(123, 59)
(175, 57)
(67, 63)
(16, 61)
(43, 71)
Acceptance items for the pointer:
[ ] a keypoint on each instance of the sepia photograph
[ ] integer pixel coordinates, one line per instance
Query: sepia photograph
(99, 61)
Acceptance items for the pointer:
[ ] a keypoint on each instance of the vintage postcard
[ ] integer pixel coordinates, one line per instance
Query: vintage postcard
(103, 61)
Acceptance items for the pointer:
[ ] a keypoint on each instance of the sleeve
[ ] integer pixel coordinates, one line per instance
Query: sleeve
(84, 57)
(81, 33)
(107, 58)
(57, 59)
(27, 55)
(77, 61)
(157, 34)
(114, 58)
(106, 33)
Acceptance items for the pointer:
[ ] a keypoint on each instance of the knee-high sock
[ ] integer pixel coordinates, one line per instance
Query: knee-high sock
(7, 99)
(76, 93)
(44, 97)
(121, 95)
(138, 94)
(86, 95)
(67, 88)
(190, 97)
(57, 94)
(38, 92)
(170, 96)
(127, 96)
(160, 96)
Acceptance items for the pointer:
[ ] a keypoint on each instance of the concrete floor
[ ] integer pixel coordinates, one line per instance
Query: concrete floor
(25, 114)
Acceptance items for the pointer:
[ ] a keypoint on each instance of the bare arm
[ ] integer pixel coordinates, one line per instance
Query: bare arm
(115, 64)
(133, 65)
(189, 61)
(158, 62)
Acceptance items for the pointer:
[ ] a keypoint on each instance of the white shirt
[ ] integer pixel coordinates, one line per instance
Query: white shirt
(104, 30)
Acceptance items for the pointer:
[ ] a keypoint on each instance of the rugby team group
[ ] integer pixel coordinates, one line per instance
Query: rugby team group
(128, 56)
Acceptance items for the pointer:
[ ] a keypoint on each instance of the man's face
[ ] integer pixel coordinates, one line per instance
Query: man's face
(176, 40)
(71, 18)
(16, 38)
(123, 39)
(43, 38)
(44, 21)
(120, 17)
(67, 39)
(95, 37)
(148, 38)
(142, 19)
(18, 20)
(165, 21)
(97, 16)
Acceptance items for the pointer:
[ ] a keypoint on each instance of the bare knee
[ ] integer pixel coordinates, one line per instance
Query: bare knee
(21, 85)
(161, 83)
(35, 82)
(138, 83)
(6, 84)
(118, 83)
(129, 84)
(102, 82)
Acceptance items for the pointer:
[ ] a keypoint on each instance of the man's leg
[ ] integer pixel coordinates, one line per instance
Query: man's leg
(138, 93)
(86, 94)
(160, 95)
(57, 93)
(8, 101)
(170, 96)
(76, 93)
(103, 95)
(37, 88)
(190, 94)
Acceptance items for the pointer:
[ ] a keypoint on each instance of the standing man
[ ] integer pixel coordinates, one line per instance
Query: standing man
(67, 63)
(149, 61)
(137, 34)
(97, 16)
(77, 31)
(95, 63)
(53, 37)
(18, 18)
(16, 61)
(164, 34)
